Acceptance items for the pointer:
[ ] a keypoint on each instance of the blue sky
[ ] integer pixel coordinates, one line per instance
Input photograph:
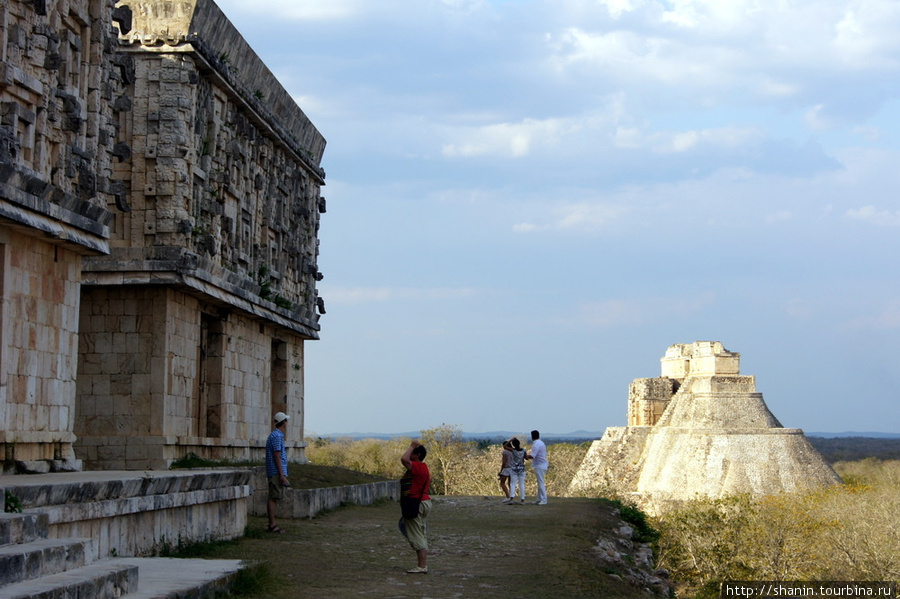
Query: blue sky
(529, 201)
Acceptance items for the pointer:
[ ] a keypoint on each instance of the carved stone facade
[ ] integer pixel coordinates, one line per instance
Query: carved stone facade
(700, 429)
(159, 217)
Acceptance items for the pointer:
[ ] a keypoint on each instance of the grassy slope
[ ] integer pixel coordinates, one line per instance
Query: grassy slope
(311, 476)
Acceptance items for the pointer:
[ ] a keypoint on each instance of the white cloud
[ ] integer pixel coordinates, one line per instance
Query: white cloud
(674, 142)
(800, 309)
(777, 89)
(369, 295)
(885, 318)
(815, 118)
(510, 140)
(869, 214)
(870, 134)
(625, 54)
(583, 135)
(525, 227)
(628, 137)
(865, 36)
(613, 313)
(336, 10)
(617, 8)
(585, 216)
(582, 216)
(641, 311)
(771, 49)
(463, 6)
(779, 216)
(888, 318)
(305, 10)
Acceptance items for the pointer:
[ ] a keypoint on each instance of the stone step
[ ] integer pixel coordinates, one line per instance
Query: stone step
(168, 578)
(22, 528)
(42, 557)
(101, 580)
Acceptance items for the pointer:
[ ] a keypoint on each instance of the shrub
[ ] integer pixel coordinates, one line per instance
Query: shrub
(11, 503)
(844, 532)
(643, 531)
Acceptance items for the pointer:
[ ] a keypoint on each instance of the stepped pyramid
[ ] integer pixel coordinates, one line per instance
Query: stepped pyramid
(700, 430)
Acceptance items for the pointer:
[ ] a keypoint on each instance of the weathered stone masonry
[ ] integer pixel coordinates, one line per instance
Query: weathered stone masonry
(56, 136)
(210, 284)
(146, 146)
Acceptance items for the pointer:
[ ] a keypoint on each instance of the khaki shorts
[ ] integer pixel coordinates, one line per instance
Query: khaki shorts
(414, 529)
(276, 489)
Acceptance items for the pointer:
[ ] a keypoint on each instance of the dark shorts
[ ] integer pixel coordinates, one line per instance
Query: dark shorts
(276, 489)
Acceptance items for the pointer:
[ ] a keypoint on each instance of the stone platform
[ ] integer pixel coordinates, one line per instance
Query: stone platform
(83, 533)
(80, 533)
(133, 513)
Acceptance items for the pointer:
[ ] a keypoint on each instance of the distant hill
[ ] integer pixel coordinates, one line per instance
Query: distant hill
(855, 435)
(580, 435)
(852, 448)
(834, 447)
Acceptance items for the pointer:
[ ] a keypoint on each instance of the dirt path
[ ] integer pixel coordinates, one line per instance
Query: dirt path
(479, 549)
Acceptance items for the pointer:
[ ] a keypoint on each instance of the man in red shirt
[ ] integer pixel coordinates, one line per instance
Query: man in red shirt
(415, 503)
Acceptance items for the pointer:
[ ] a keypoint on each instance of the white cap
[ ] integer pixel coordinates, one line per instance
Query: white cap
(281, 417)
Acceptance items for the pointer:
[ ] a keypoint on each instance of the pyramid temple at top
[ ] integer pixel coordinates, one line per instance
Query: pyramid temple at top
(700, 430)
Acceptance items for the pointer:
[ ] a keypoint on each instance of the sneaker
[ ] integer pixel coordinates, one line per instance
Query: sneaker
(507, 500)
(418, 570)
(540, 503)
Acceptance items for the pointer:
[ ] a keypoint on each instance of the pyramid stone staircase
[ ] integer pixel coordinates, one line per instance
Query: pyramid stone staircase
(80, 534)
(33, 566)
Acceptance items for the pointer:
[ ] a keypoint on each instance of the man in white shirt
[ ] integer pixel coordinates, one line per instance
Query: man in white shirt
(539, 463)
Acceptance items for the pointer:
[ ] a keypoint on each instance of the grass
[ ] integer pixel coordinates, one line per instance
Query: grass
(479, 549)
(302, 476)
(311, 476)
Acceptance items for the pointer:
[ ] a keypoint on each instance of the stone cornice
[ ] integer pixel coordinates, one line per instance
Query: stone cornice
(197, 274)
(35, 205)
(199, 26)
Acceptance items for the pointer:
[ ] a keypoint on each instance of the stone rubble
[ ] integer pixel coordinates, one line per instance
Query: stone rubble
(633, 561)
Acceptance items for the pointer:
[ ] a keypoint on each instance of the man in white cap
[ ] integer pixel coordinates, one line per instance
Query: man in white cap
(276, 468)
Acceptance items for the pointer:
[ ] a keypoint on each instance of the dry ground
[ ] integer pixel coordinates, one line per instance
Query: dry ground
(479, 549)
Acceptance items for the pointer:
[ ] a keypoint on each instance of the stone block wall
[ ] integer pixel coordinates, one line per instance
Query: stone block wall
(151, 162)
(179, 376)
(57, 83)
(58, 78)
(701, 358)
(214, 177)
(648, 399)
(216, 233)
(38, 339)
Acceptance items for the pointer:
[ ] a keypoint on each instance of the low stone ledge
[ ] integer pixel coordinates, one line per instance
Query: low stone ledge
(308, 503)
(38, 491)
(135, 505)
(137, 513)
